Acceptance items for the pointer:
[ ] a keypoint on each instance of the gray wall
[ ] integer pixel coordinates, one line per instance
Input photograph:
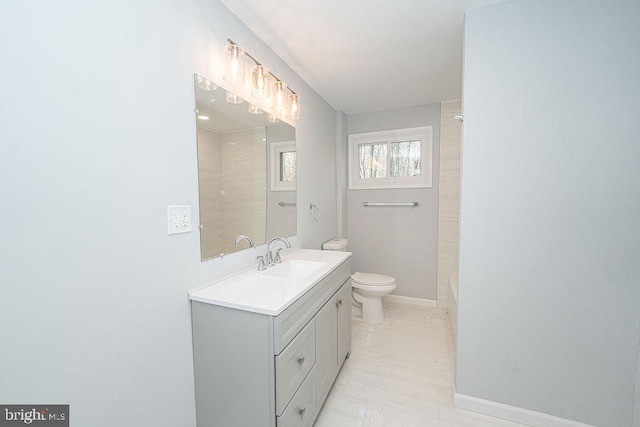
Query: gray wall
(342, 157)
(97, 137)
(397, 241)
(549, 298)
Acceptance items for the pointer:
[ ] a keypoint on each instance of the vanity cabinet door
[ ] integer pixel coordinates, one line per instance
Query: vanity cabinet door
(326, 348)
(344, 321)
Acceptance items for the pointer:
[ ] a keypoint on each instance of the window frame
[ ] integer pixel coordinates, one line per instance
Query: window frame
(276, 149)
(424, 134)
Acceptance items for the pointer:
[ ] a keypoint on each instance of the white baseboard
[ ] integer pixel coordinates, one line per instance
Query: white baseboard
(512, 413)
(410, 300)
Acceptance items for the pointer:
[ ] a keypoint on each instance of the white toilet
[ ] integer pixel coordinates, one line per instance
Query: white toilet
(367, 288)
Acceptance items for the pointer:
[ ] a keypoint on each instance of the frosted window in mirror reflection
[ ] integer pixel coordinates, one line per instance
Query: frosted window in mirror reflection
(283, 166)
(288, 166)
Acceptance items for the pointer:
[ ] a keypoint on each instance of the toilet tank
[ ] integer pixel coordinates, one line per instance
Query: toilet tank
(337, 244)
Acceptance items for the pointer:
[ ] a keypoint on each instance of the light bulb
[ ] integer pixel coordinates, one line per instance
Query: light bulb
(260, 82)
(294, 106)
(234, 64)
(279, 95)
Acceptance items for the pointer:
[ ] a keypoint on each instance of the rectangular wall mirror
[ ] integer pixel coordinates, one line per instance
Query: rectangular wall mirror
(246, 172)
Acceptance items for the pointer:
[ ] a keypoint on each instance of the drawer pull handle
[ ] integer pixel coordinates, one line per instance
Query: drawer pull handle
(301, 411)
(339, 303)
(300, 360)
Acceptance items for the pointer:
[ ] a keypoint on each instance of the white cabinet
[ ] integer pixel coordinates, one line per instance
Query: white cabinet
(254, 369)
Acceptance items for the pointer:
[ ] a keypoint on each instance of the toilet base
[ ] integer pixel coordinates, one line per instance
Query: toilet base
(372, 311)
(356, 310)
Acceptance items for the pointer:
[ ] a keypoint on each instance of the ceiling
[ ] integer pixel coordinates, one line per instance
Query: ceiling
(366, 55)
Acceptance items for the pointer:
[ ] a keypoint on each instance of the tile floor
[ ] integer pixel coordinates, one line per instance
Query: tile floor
(400, 374)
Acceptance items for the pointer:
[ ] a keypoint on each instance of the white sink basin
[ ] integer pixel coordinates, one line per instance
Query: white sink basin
(273, 290)
(294, 269)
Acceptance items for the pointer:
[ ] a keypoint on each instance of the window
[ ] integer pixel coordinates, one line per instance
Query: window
(283, 166)
(287, 166)
(391, 159)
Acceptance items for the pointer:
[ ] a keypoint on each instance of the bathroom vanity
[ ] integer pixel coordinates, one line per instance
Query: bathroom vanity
(268, 345)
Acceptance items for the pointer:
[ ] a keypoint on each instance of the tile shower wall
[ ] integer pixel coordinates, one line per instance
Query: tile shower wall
(244, 182)
(449, 208)
(232, 188)
(210, 183)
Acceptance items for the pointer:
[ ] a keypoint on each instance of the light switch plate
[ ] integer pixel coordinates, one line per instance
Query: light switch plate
(179, 219)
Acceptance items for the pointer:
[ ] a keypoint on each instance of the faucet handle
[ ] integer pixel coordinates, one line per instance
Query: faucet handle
(261, 265)
(277, 258)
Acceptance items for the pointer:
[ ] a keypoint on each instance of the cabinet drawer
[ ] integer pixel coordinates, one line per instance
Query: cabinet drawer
(293, 319)
(293, 365)
(301, 410)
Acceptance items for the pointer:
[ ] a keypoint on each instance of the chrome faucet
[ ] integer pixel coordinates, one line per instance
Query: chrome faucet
(247, 238)
(270, 260)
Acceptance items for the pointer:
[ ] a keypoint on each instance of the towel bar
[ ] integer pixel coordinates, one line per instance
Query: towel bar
(412, 204)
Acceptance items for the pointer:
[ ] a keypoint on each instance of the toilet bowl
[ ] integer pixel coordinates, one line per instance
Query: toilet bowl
(367, 288)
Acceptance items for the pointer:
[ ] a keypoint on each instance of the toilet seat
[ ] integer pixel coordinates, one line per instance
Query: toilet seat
(371, 279)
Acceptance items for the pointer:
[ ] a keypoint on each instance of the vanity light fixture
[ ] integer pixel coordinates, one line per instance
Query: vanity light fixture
(234, 64)
(264, 85)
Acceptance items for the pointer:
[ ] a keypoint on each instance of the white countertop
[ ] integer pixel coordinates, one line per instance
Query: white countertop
(260, 292)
